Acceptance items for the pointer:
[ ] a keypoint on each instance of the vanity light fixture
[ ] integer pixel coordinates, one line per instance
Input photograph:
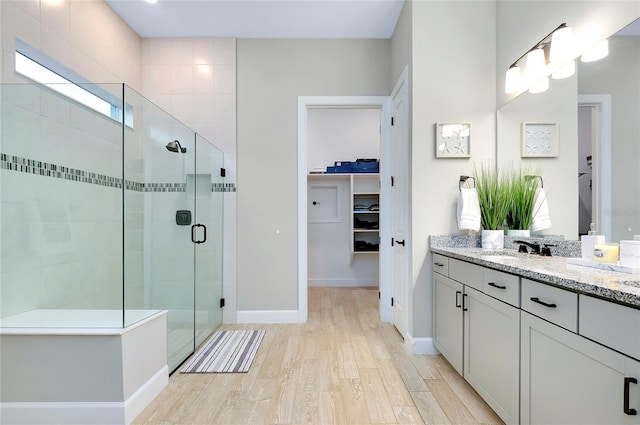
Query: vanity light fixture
(535, 65)
(553, 55)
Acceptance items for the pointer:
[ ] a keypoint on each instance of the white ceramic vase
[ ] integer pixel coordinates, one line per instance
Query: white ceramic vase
(492, 239)
(518, 233)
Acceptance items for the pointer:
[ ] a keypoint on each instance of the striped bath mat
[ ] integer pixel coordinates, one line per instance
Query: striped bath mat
(226, 352)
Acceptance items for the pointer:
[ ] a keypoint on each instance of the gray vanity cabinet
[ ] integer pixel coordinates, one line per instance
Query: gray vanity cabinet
(567, 379)
(447, 313)
(537, 353)
(491, 352)
(478, 334)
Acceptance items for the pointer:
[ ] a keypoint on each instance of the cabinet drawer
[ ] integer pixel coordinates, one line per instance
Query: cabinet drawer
(503, 286)
(467, 273)
(441, 264)
(610, 324)
(550, 303)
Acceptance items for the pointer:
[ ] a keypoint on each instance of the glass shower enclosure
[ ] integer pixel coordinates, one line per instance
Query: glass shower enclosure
(107, 216)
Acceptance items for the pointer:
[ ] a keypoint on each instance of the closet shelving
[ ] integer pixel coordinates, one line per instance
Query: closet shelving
(365, 214)
(364, 210)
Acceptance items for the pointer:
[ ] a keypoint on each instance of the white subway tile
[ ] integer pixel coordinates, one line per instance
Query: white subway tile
(224, 77)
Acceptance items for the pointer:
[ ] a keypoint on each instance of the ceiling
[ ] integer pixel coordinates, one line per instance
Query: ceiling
(260, 18)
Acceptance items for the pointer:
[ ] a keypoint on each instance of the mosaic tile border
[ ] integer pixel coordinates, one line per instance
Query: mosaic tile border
(45, 169)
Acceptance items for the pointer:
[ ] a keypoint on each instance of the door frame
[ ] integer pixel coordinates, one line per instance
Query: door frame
(601, 162)
(304, 104)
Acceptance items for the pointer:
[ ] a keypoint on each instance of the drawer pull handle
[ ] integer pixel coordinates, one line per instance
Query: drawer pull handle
(438, 264)
(537, 300)
(627, 410)
(495, 285)
(464, 305)
(458, 305)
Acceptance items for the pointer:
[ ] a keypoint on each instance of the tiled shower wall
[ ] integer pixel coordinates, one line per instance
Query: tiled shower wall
(88, 37)
(61, 204)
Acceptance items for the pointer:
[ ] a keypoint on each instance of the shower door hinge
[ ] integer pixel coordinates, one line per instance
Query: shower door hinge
(221, 302)
(378, 294)
(223, 172)
(392, 121)
(391, 301)
(392, 181)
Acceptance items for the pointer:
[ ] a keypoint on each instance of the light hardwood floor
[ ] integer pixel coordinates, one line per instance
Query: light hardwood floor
(343, 366)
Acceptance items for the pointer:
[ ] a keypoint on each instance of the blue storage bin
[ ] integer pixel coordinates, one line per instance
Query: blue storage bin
(336, 169)
(365, 167)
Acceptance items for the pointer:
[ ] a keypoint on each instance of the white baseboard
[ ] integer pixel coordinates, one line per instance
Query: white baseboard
(420, 345)
(342, 282)
(269, 316)
(85, 413)
(140, 399)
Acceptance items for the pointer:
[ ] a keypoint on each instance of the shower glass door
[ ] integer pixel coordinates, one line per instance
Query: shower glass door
(160, 153)
(208, 238)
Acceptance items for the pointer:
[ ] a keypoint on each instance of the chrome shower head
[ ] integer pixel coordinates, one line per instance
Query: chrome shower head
(176, 147)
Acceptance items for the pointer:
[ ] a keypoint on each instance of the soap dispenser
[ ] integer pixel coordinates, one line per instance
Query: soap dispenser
(589, 241)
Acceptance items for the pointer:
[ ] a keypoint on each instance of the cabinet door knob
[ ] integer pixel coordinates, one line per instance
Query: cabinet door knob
(495, 285)
(316, 203)
(458, 305)
(464, 305)
(627, 410)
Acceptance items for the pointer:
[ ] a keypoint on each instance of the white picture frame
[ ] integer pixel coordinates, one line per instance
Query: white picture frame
(453, 140)
(539, 140)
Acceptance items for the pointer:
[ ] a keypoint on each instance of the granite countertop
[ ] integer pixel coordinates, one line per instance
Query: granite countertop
(619, 287)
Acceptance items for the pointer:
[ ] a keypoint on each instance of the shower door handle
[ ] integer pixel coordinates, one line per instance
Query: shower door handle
(193, 233)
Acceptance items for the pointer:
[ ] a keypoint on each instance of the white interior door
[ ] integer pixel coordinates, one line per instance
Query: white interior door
(400, 206)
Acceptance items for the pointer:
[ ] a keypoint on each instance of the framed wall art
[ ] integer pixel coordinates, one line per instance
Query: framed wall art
(539, 140)
(453, 140)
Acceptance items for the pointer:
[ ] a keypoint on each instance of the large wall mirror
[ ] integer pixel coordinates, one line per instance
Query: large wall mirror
(597, 116)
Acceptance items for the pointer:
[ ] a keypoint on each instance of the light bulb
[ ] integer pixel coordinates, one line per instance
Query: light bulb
(535, 65)
(514, 82)
(562, 46)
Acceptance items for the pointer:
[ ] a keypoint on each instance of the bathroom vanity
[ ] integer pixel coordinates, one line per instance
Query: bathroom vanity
(540, 340)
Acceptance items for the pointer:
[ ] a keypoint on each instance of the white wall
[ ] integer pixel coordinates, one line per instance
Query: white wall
(341, 134)
(271, 75)
(466, 62)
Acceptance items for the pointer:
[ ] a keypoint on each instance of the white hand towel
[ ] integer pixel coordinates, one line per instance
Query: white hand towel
(541, 219)
(468, 209)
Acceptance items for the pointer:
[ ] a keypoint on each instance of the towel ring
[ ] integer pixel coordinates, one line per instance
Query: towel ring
(462, 181)
(533, 177)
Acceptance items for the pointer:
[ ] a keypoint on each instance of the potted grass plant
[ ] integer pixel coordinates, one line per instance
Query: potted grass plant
(523, 185)
(492, 186)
